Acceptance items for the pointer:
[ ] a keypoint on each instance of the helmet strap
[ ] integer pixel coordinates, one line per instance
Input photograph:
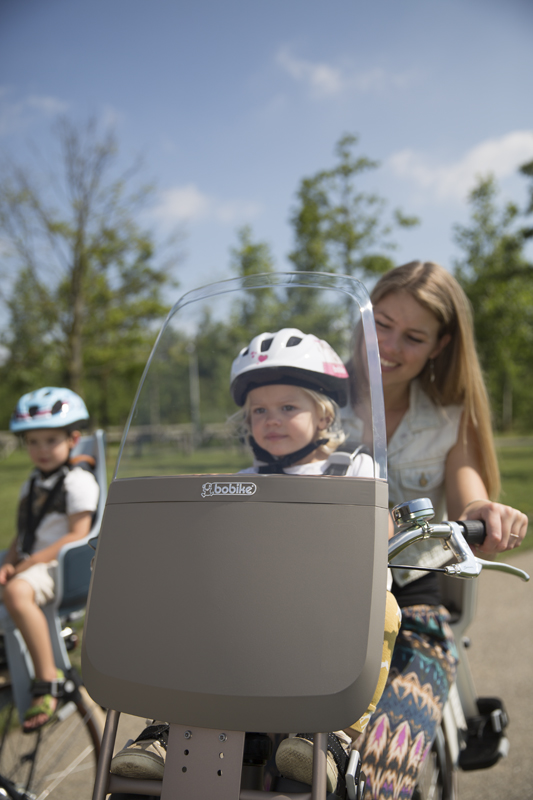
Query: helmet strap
(277, 464)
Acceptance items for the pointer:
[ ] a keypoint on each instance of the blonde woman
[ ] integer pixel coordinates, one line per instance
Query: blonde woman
(440, 446)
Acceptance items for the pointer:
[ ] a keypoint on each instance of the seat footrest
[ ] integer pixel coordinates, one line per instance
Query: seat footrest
(486, 742)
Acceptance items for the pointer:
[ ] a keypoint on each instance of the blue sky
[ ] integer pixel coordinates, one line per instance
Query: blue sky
(232, 103)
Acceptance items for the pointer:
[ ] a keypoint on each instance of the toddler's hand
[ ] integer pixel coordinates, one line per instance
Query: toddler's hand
(6, 573)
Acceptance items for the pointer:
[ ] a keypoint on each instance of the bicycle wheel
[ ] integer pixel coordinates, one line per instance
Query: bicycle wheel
(437, 779)
(59, 760)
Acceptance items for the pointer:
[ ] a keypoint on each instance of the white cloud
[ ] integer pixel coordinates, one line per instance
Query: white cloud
(189, 204)
(48, 105)
(326, 80)
(15, 115)
(321, 78)
(501, 157)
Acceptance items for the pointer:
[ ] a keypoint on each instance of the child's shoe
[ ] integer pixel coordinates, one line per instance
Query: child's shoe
(145, 757)
(48, 692)
(294, 758)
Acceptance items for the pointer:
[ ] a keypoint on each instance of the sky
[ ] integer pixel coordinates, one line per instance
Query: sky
(230, 104)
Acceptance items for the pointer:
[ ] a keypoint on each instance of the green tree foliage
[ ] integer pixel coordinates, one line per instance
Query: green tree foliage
(338, 227)
(271, 309)
(257, 309)
(498, 279)
(249, 258)
(88, 288)
(218, 341)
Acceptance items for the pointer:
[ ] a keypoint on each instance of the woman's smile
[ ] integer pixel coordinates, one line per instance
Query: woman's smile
(408, 335)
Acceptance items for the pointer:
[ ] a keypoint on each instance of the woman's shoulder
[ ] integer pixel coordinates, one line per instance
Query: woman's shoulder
(426, 413)
(426, 434)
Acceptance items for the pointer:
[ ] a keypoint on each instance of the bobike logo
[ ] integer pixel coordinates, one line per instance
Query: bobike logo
(228, 488)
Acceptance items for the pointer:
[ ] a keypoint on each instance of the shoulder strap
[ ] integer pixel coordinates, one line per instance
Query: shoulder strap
(340, 461)
(32, 523)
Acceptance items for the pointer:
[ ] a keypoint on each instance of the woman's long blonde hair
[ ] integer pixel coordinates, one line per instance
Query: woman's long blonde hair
(458, 378)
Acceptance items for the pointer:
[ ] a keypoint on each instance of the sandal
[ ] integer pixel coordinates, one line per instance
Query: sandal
(48, 691)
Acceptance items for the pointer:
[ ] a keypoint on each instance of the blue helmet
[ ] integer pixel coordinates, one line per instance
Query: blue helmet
(50, 407)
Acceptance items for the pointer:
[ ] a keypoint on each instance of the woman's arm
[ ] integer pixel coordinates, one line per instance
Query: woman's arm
(467, 498)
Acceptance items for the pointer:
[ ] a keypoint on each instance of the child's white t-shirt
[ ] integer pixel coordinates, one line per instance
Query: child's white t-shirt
(82, 492)
(361, 467)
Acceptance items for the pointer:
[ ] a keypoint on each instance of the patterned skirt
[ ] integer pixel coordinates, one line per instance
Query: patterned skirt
(402, 729)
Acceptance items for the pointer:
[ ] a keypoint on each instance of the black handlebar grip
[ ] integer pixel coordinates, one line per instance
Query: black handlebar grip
(473, 530)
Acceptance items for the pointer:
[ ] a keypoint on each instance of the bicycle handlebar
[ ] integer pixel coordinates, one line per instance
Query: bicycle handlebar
(412, 519)
(473, 530)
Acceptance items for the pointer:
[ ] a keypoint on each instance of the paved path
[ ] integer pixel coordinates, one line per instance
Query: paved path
(501, 657)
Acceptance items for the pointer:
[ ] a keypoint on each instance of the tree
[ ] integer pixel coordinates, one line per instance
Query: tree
(272, 309)
(498, 280)
(88, 289)
(339, 228)
(253, 258)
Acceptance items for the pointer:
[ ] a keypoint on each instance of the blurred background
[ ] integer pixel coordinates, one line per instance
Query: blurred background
(150, 148)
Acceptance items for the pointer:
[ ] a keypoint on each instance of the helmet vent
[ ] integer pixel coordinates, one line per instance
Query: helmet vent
(293, 341)
(245, 352)
(56, 408)
(32, 410)
(265, 345)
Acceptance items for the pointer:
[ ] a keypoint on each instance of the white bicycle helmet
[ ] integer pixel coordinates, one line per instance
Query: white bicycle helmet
(50, 407)
(291, 357)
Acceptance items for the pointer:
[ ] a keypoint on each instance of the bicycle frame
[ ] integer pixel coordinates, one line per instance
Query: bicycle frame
(213, 598)
(463, 703)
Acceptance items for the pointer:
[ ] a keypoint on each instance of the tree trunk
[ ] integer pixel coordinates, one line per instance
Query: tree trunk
(507, 403)
(75, 341)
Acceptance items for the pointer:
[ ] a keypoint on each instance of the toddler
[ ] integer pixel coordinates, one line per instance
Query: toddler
(56, 506)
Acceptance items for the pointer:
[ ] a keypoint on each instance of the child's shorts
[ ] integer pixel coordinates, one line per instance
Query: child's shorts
(42, 579)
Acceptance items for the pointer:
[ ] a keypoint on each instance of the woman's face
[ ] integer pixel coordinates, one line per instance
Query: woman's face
(408, 335)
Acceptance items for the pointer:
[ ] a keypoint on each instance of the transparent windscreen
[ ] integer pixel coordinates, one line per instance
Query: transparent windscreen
(185, 419)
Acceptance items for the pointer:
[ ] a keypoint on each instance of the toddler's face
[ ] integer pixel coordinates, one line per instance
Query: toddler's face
(48, 448)
(284, 419)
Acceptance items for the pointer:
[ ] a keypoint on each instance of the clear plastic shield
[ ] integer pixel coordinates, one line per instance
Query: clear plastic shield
(245, 568)
(184, 420)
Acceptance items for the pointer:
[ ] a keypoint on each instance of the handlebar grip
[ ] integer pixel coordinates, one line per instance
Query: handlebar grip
(473, 530)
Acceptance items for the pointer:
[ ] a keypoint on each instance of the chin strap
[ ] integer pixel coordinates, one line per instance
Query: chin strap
(275, 465)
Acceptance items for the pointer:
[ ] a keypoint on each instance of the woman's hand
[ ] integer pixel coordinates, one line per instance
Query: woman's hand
(506, 526)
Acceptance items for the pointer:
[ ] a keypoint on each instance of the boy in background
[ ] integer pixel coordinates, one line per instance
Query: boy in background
(56, 507)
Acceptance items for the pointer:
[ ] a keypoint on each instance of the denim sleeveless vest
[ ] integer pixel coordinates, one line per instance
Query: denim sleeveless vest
(416, 457)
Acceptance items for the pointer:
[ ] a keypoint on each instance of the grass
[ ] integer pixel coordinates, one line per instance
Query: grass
(16, 467)
(516, 464)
